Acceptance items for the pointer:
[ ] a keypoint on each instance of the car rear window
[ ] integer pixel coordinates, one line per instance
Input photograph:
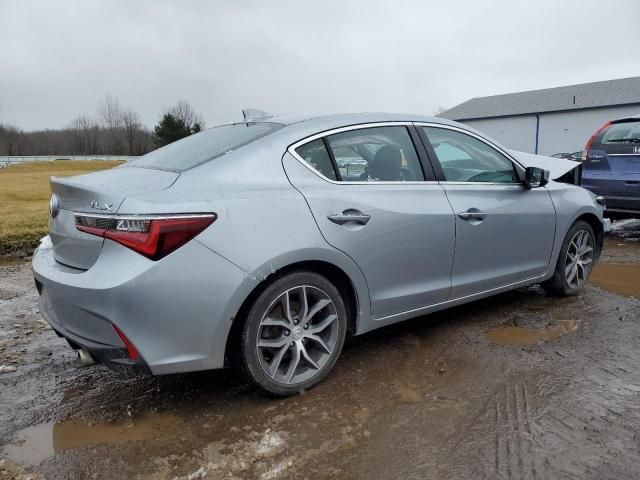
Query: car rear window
(627, 132)
(204, 146)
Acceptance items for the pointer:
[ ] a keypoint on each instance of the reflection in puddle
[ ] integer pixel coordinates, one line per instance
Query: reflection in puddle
(512, 335)
(42, 441)
(622, 279)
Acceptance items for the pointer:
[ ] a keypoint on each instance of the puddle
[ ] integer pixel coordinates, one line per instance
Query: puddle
(40, 442)
(409, 393)
(512, 335)
(618, 278)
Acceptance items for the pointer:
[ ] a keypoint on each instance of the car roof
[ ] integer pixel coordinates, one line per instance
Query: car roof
(632, 118)
(301, 126)
(353, 118)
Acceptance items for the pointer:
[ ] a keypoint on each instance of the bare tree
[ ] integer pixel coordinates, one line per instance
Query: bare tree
(11, 140)
(111, 112)
(112, 115)
(184, 111)
(84, 132)
(116, 130)
(135, 134)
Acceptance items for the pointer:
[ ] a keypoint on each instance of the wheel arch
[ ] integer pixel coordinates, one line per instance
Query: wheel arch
(329, 270)
(595, 223)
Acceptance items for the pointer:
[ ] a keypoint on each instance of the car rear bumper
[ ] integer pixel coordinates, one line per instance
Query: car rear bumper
(177, 311)
(621, 192)
(113, 356)
(622, 204)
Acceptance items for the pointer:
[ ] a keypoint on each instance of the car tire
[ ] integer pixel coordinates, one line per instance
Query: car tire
(284, 351)
(570, 273)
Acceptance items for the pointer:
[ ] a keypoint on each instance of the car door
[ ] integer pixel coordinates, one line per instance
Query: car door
(371, 199)
(504, 231)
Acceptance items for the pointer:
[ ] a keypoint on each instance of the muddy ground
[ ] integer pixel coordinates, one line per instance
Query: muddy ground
(517, 386)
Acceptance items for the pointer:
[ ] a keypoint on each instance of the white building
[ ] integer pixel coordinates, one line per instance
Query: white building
(551, 120)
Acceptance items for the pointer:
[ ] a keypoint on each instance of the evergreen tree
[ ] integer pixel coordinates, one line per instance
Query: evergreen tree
(178, 122)
(171, 128)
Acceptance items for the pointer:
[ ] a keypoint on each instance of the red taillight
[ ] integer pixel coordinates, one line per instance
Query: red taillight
(153, 237)
(585, 154)
(132, 351)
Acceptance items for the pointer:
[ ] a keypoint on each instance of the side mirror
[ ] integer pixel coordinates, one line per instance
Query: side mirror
(535, 177)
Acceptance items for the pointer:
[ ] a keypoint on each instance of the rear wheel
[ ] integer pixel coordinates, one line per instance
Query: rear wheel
(575, 261)
(293, 333)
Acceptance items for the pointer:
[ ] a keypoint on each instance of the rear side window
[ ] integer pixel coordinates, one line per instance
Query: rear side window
(204, 146)
(377, 154)
(315, 154)
(627, 132)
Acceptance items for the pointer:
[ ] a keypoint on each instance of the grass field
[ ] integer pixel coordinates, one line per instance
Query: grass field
(24, 199)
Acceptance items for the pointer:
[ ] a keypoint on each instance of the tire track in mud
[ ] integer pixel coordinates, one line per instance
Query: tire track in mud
(498, 441)
(511, 448)
(596, 421)
(580, 421)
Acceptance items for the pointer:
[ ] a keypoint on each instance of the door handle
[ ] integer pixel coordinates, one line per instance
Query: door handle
(472, 214)
(347, 216)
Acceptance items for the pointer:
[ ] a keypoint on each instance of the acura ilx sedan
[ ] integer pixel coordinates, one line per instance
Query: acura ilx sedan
(266, 243)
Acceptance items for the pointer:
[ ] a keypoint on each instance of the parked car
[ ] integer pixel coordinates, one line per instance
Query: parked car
(250, 243)
(612, 166)
(575, 156)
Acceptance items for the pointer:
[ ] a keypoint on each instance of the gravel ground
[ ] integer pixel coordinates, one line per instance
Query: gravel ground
(521, 385)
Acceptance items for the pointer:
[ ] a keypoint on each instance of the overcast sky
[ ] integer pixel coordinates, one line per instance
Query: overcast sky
(58, 59)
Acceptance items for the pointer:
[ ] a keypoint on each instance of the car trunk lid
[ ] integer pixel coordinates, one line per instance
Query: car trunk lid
(615, 157)
(99, 193)
(612, 163)
(609, 173)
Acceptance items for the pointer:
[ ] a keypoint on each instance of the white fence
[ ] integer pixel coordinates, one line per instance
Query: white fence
(11, 160)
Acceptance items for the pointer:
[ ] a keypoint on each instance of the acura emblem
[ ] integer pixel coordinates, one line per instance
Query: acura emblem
(54, 206)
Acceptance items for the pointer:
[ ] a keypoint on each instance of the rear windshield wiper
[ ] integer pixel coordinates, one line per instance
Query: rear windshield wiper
(625, 140)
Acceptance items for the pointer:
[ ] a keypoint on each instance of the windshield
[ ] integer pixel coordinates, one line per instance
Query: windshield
(204, 146)
(627, 132)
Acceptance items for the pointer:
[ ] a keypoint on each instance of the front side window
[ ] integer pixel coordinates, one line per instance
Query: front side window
(464, 158)
(376, 154)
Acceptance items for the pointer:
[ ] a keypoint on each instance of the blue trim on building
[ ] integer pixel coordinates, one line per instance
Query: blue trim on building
(537, 133)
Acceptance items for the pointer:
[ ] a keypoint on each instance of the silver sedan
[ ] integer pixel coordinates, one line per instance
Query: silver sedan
(266, 243)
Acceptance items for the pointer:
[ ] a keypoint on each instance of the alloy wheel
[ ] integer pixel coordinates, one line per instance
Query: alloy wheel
(579, 258)
(297, 334)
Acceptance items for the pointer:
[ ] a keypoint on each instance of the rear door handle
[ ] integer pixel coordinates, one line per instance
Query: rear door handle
(350, 215)
(472, 214)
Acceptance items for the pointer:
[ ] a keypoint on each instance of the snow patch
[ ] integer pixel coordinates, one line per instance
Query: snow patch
(276, 470)
(624, 224)
(200, 473)
(269, 443)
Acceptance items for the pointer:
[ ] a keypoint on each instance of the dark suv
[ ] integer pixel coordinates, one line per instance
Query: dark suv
(611, 166)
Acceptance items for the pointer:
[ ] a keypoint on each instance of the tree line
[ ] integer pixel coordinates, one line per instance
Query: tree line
(114, 130)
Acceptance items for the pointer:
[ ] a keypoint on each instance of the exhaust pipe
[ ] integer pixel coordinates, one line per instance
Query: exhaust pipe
(85, 358)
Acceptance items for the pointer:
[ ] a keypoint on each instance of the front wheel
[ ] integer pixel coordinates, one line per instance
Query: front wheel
(575, 261)
(293, 333)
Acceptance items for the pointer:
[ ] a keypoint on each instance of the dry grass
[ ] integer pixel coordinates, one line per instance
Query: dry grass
(24, 199)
